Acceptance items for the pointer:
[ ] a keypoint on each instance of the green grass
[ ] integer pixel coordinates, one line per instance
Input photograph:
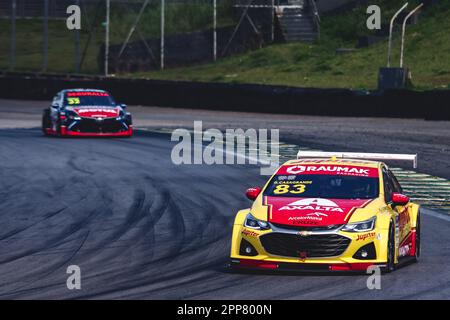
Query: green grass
(185, 17)
(296, 64)
(317, 65)
(29, 47)
(179, 18)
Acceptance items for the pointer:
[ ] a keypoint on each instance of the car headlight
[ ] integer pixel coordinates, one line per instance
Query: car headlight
(253, 223)
(123, 115)
(362, 226)
(72, 115)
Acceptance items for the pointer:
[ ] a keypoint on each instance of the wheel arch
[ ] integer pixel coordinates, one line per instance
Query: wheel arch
(236, 235)
(414, 210)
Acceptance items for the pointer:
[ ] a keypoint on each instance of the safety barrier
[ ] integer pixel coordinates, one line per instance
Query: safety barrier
(431, 105)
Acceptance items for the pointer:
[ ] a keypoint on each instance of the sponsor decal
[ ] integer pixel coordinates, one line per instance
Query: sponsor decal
(304, 220)
(87, 94)
(296, 169)
(313, 204)
(365, 236)
(249, 233)
(307, 217)
(317, 214)
(329, 170)
(397, 232)
(406, 246)
(403, 219)
(403, 251)
(98, 113)
(90, 110)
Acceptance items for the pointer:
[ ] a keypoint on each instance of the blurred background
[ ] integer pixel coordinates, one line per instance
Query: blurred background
(304, 43)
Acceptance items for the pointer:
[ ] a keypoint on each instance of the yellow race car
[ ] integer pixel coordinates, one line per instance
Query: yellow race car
(328, 211)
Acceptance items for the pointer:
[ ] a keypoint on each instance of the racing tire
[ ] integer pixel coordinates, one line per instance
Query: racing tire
(46, 122)
(390, 263)
(417, 253)
(58, 128)
(129, 120)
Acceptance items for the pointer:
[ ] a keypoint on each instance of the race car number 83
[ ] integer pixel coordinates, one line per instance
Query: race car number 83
(293, 189)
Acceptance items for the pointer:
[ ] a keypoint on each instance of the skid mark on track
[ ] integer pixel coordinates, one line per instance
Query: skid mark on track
(127, 222)
(144, 270)
(173, 259)
(52, 242)
(32, 279)
(72, 164)
(138, 224)
(46, 216)
(177, 228)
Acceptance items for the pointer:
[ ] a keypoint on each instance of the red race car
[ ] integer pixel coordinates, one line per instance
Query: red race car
(86, 112)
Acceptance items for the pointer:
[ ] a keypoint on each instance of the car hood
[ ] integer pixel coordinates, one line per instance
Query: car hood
(97, 112)
(311, 211)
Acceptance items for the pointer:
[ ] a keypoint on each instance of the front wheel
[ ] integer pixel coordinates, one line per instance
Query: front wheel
(390, 264)
(417, 235)
(129, 120)
(46, 122)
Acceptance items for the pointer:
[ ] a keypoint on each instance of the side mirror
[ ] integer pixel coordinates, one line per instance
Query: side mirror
(253, 193)
(399, 199)
(123, 106)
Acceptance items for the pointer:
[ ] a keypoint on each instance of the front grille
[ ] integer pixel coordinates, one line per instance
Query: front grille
(312, 246)
(306, 228)
(109, 125)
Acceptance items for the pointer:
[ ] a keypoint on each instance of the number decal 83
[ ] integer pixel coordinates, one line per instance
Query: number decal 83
(293, 189)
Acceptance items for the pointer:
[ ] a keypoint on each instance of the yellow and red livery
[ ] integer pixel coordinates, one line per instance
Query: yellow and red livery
(328, 214)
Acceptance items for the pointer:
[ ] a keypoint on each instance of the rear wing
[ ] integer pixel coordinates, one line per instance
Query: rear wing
(357, 155)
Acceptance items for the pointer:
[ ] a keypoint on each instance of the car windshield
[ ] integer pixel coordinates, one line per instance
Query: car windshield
(88, 98)
(323, 186)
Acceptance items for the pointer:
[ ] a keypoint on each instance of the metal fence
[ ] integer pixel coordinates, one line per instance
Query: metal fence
(34, 36)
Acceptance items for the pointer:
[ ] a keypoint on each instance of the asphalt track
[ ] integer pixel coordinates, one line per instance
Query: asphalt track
(140, 227)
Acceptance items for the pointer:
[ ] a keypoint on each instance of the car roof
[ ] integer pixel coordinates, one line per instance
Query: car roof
(348, 162)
